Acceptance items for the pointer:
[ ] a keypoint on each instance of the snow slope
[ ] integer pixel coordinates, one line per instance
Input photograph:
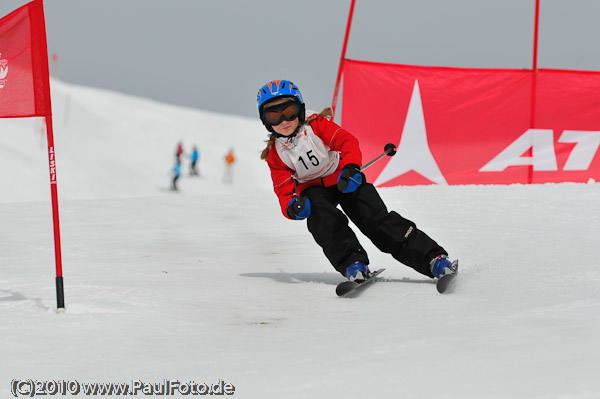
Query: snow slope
(213, 283)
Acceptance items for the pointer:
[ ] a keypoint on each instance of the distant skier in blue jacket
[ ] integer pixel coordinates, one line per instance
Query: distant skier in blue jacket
(176, 173)
(194, 156)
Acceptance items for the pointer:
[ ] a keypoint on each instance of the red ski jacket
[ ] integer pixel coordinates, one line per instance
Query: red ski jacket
(336, 146)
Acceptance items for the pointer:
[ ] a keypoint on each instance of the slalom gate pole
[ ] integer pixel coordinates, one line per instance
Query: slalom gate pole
(60, 296)
(534, 73)
(536, 28)
(342, 60)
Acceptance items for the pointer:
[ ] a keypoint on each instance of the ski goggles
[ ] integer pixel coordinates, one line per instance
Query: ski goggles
(287, 111)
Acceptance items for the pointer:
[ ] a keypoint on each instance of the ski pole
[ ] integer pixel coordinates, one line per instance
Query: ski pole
(299, 202)
(389, 150)
(295, 189)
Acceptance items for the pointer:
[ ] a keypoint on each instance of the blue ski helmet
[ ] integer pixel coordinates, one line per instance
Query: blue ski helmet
(279, 88)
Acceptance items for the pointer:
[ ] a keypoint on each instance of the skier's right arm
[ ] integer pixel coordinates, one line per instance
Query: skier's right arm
(283, 183)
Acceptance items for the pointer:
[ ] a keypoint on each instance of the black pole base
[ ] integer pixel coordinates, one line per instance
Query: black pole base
(60, 295)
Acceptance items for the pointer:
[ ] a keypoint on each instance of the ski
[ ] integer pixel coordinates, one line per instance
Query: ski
(349, 289)
(447, 281)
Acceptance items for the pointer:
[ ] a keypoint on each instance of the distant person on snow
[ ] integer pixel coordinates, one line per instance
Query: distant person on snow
(176, 174)
(315, 165)
(229, 161)
(179, 152)
(194, 156)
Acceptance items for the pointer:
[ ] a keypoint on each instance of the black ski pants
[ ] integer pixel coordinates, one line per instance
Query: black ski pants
(389, 231)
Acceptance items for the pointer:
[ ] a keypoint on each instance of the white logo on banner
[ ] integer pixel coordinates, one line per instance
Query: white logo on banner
(543, 155)
(3, 71)
(413, 151)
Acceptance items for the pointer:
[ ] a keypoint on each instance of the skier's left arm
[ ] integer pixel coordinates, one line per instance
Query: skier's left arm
(340, 140)
(350, 176)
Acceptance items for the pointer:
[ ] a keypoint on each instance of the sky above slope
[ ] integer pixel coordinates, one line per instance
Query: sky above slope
(214, 55)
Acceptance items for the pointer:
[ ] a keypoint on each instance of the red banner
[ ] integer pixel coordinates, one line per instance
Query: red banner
(474, 126)
(24, 87)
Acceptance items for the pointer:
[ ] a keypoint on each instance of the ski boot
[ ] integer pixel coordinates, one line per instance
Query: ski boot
(358, 272)
(440, 266)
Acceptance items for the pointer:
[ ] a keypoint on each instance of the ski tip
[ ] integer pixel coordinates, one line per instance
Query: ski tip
(446, 284)
(345, 287)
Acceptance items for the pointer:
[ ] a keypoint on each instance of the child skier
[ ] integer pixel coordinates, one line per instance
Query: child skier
(309, 159)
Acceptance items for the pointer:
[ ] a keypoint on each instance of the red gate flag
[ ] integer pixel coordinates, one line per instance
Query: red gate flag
(474, 126)
(24, 86)
(25, 91)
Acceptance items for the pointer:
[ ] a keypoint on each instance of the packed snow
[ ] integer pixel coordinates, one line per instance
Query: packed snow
(212, 284)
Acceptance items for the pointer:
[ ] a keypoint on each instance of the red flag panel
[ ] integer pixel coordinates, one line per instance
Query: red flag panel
(474, 126)
(24, 82)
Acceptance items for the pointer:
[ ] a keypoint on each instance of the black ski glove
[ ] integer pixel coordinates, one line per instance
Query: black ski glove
(298, 208)
(350, 178)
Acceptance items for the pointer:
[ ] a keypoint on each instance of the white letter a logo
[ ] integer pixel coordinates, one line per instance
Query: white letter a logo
(413, 150)
(541, 143)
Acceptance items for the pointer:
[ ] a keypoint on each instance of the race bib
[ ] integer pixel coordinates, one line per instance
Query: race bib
(307, 155)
